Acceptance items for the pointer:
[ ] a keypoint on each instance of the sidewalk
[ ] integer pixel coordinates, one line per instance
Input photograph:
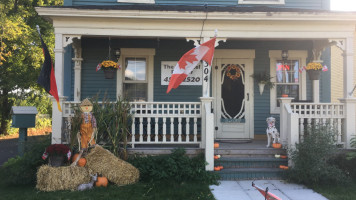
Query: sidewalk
(243, 190)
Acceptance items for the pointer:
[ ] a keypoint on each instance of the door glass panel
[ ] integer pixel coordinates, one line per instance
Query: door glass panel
(233, 93)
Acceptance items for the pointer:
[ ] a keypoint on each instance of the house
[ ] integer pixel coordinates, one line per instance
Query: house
(218, 102)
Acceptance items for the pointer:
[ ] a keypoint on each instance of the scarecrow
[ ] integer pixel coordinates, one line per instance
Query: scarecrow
(88, 127)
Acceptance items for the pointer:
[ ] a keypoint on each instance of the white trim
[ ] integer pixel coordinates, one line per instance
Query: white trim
(275, 55)
(261, 2)
(136, 1)
(147, 53)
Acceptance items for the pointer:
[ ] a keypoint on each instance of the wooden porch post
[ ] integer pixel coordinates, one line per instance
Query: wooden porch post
(283, 125)
(77, 46)
(208, 131)
(59, 73)
(348, 100)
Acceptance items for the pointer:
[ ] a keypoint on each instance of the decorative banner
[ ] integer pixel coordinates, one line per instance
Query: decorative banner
(167, 67)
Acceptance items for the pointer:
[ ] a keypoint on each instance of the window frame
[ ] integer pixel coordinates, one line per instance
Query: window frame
(146, 53)
(279, 2)
(274, 56)
(137, 1)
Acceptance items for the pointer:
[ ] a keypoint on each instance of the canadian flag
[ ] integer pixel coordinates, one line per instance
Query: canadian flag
(189, 60)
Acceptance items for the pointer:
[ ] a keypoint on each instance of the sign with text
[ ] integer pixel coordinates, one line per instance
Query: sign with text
(167, 67)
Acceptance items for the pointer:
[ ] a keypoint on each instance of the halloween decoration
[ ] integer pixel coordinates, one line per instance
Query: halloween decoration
(101, 182)
(61, 178)
(101, 161)
(88, 127)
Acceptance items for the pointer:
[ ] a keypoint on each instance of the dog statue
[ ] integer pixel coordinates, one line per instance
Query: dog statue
(272, 132)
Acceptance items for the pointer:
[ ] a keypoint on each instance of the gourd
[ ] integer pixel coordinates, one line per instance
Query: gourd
(74, 157)
(82, 162)
(277, 145)
(101, 182)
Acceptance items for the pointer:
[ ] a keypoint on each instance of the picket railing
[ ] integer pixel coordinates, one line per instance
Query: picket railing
(160, 122)
(311, 114)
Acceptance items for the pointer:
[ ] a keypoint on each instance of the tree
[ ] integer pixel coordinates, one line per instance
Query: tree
(20, 51)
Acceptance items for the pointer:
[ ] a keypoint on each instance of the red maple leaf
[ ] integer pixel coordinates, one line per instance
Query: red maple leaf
(187, 57)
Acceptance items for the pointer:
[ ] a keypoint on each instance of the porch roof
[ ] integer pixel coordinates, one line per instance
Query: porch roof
(201, 8)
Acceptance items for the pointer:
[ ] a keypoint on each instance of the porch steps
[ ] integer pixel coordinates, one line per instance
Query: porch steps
(251, 163)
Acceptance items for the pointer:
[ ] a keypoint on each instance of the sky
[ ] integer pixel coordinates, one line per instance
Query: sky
(347, 5)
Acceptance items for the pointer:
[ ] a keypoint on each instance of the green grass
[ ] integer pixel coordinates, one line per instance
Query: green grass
(347, 192)
(165, 190)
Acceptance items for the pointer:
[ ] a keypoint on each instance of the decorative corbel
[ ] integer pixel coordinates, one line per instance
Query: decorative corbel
(68, 39)
(318, 47)
(341, 43)
(197, 41)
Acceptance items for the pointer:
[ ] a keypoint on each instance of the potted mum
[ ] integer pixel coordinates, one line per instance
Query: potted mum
(109, 67)
(263, 79)
(57, 154)
(314, 70)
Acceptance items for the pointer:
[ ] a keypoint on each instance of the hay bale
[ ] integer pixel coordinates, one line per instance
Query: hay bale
(61, 178)
(103, 162)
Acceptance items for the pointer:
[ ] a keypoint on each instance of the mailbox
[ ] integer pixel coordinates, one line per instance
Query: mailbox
(23, 116)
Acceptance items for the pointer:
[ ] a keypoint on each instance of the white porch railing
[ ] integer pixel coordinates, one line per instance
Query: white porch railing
(161, 122)
(303, 115)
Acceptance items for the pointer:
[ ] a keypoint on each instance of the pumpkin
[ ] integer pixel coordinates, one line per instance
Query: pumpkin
(277, 145)
(75, 156)
(82, 162)
(221, 167)
(217, 168)
(216, 145)
(283, 156)
(217, 157)
(101, 182)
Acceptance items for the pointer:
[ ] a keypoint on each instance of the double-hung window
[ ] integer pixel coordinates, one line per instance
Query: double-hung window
(135, 83)
(287, 77)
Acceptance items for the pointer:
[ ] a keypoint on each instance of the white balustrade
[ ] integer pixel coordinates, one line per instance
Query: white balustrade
(160, 122)
(309, 114)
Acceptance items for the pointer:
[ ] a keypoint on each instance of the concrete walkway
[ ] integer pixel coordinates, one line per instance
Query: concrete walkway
(243, 190)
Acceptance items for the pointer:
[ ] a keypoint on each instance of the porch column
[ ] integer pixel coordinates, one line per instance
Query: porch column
(207, 131)
(348, 100)
(77, 46)
(283, 123)
(316, 91)
(59, 73)
(348, 67)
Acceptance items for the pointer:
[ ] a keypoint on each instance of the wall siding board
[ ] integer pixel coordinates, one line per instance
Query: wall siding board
(305, 4)
(95, 50)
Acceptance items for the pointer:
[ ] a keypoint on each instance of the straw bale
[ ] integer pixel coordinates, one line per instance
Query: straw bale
(61, 178)
(103, 162)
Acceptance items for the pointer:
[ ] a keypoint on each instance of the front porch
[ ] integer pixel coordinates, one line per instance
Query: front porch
(254, 42)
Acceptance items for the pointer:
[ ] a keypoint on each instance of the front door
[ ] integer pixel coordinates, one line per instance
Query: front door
(233, 92)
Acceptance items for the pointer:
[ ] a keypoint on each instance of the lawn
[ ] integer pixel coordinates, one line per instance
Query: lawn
(165, 190)
(338, 192)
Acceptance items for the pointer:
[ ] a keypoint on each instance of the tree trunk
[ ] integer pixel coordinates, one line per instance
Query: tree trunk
(5, 112)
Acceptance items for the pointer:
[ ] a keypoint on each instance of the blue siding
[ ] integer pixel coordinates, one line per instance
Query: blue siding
(305, 4)
(95, 50)
(325, 83)
(67, 85)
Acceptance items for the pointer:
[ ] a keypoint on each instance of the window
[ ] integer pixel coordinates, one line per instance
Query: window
(261, 2)
(135, 79)
(136, 1)
(135, 83)
(287, 77)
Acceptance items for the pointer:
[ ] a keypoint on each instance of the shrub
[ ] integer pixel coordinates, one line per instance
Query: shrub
(22, 170)
(346, 164)
(175, 166)
(310, 159)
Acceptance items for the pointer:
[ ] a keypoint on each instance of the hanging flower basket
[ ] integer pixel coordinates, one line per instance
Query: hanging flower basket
(314, 70)
(109, 67)
(109, 73)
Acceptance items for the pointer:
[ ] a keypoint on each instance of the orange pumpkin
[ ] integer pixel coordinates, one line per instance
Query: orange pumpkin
(82, 162)
(277, 145)
(217, 168)
(221, 167)
(216, 145)
(75, 156)
(283, 156)
(101, 182)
